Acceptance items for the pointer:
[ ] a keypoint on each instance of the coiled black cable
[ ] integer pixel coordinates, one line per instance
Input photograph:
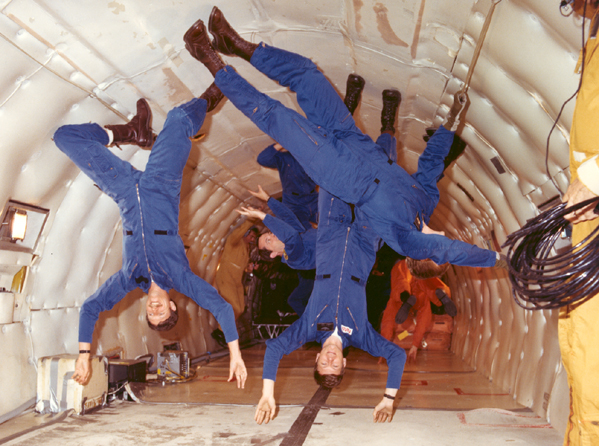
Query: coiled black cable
(542, 279)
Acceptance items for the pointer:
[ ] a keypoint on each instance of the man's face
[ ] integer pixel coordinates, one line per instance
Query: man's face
(158, 305)
(250, 238)
(330, 360)
(271, 243)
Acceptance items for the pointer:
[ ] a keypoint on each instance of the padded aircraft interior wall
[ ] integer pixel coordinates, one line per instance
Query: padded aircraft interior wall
(75, 61)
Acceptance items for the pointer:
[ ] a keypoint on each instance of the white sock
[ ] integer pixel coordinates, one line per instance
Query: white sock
(110, 136)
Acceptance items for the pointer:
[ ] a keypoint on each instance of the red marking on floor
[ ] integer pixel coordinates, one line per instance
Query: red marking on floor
(462, 418)
(220, 379)
(461, 392)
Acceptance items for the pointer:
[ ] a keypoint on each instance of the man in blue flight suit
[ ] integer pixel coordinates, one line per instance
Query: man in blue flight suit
(336, 314)
(285, 237)
(333, 151)
(289, 239)
(300, 195)
(153, 253)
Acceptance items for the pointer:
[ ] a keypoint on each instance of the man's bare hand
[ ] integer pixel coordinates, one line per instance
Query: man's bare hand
(238, 371)
(427, 230)
(251, 212)
(260, 194)
(265, 410)
(383, 411)
(412, 353)
(82, 369)
(577, 193)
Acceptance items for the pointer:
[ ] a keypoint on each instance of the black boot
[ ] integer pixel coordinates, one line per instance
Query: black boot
(213, 96)
(198, 44)
(138, 131)
(448, 304)
(353, 91)
(404, 311)
(226, 39)
(391, 101)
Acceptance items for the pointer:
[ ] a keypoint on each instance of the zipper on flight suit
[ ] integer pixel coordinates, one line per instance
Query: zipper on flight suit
(341, 277)
(352, 318)
(143, 236)
(318, 315)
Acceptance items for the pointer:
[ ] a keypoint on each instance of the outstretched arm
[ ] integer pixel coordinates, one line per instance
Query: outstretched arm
(441, 249)
(82, 368)
(267, 405)
(251, 212)
(260, 194)
(237, 366)
(384, 410)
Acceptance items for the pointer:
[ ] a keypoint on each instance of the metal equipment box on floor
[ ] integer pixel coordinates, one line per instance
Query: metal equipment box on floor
(57, 391)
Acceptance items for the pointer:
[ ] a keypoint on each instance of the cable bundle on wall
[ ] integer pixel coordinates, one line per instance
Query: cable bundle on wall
(542, 279)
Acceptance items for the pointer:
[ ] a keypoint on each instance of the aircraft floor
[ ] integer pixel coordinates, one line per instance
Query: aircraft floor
(441, 402)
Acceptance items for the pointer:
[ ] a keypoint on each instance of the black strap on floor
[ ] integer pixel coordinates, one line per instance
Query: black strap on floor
(299, 430)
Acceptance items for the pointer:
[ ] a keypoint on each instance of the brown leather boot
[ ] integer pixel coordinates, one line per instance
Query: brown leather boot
(226, 39)
(391, 100)
(213, 96)
(353, 91)
(138, 131)
(198, 44)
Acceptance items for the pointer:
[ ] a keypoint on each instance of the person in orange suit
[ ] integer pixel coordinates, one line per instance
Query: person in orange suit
(412, 296)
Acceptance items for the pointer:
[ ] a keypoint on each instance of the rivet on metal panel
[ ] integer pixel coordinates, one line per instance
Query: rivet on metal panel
(20, 32)
(74, 107)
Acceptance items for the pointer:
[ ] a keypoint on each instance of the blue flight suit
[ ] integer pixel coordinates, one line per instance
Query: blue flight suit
(299, 191)
(149, 206)
(345, 252)
(346, 162)
(299, 243)
(301, 197)
(300, 246)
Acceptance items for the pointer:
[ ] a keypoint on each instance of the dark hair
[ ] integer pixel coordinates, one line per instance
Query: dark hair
(425, 269)
(328, 381)
(253, 229)
(166, 324)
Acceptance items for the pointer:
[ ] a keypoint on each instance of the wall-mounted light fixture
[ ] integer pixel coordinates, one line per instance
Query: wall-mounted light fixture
(22, 224)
